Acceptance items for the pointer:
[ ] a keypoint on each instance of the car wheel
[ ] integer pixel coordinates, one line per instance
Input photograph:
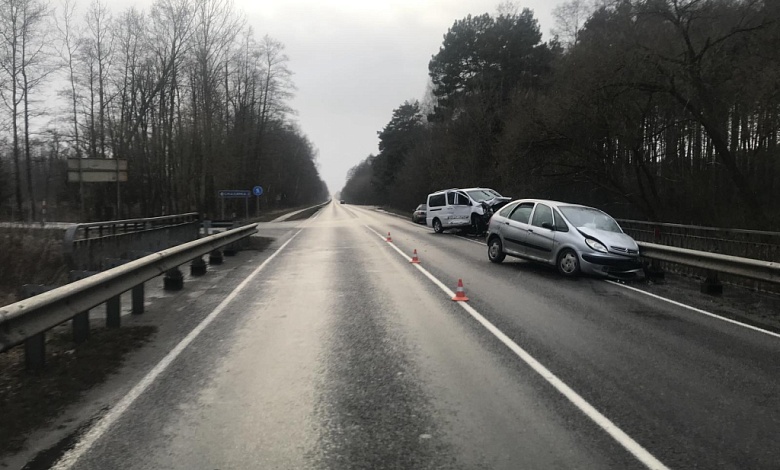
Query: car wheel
(437, 226)
(496, 250)
(568, 263)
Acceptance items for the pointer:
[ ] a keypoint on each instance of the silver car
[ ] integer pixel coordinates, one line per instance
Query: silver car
(574, 238)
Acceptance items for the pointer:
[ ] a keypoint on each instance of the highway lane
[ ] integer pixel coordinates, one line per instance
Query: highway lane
(695, 391)
(339, 354)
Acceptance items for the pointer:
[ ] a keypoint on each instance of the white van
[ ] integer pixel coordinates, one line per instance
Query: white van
(461, 208)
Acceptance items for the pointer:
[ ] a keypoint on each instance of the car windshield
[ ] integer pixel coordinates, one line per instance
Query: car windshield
(587, 217)
(421, 207)
(481, 194)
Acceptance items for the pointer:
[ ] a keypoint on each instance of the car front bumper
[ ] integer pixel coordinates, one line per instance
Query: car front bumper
(611, 265)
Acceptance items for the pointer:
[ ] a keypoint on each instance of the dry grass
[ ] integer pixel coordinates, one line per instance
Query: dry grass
(29, 256)
(30, 399)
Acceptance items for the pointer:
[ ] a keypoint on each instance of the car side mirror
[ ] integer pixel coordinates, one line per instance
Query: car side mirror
(548, 226)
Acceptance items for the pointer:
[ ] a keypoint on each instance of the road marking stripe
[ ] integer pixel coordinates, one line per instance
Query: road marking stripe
(698, 310)
(462, 237)
(611, 428)
(69, 459)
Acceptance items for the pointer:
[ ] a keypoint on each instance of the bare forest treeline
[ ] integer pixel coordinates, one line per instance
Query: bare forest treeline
(185, 91)
(665, 110)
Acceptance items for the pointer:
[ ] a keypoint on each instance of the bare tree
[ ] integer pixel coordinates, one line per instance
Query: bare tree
(24, 62)
(99, 48)
(216, 30)
(569, 18)
(69, 38)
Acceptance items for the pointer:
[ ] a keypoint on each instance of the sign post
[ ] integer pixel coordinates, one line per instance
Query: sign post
(234, 194)
(257, 191)
(98, 170)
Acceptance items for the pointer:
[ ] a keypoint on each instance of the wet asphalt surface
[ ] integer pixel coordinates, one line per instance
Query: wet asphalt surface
(340, 355)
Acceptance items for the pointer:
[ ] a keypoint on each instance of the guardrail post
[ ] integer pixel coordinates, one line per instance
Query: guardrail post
(654, 270)
(215, 257)
(173, 280)
(138, 299)
(80, 325)
(230, 250)
(712, 285)
(113, 312)
(35, 346)
(35, 352)
(198, 267)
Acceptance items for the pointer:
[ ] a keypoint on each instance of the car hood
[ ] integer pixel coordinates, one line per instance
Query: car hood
(497, 202)
(610, 239)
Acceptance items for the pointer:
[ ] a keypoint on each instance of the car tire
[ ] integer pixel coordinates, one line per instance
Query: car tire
(568, 263)
(437, 227)
(496, 250)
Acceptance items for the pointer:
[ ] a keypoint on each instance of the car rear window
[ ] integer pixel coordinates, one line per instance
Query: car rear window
(436, 200)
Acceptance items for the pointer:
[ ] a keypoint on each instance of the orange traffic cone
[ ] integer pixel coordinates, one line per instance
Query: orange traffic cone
(388, 237)
(415, 259)
(460, 295)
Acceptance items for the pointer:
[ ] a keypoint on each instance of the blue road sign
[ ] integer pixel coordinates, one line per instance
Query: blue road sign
(257, 190)
(234, 193)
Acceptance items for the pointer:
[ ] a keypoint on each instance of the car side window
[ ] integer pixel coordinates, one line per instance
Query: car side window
(523, 212)
(560, 224)
(436, 200)
(463, 200)
(451, 198)
(542, 214)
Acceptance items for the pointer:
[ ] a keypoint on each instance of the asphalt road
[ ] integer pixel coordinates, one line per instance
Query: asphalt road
(336, 352)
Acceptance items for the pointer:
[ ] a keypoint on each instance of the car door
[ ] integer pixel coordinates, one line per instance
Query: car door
(445, 215)
(541, 234)
(461, 210)
(436, 204)
(515, 229)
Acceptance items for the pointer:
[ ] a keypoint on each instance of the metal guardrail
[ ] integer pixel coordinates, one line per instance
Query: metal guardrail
(29, 319)
(759, 270)
(754, 244)
(710, 243)
(88, 246)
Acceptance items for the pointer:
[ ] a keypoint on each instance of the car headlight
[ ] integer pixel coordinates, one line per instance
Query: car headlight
(596, 245)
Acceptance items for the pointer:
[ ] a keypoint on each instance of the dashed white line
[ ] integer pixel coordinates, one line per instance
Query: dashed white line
(71, 457)
(602, 421)
(697, 310)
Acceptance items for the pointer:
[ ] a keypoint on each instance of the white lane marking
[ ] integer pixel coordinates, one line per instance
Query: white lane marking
(462, 237)
(429, 229)
(698, 310)
(611, 428)
(69, 459)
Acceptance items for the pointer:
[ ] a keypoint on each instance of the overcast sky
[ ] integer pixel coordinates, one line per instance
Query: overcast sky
(354, 61)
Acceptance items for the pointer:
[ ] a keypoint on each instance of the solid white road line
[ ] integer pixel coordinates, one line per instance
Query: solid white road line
(697, 310)
(428, 228)
(70, 458)
(621, 437)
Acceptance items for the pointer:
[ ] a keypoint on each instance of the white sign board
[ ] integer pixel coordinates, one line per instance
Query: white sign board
(97, 170)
